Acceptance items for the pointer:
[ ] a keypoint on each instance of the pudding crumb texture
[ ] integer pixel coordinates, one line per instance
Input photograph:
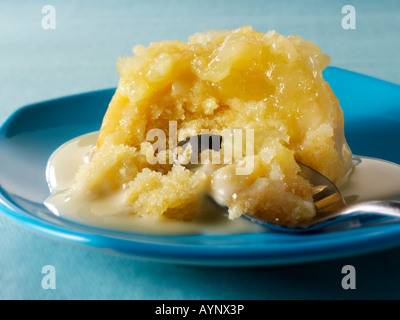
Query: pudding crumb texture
(242, 78)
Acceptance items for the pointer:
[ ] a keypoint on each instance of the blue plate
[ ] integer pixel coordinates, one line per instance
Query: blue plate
(28, 138)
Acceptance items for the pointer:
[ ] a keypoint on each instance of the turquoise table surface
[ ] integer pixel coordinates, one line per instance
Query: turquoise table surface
(80, 55)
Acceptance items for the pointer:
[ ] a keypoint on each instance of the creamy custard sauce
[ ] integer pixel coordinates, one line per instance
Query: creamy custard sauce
(61, 169)
(371, 179)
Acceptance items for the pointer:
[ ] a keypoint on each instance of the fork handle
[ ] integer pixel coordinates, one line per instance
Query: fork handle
(378, 207)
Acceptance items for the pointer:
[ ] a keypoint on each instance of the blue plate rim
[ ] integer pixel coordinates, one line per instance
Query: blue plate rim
(379, 238)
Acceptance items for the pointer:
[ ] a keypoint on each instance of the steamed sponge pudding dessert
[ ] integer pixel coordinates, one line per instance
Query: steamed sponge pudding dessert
(268, 84)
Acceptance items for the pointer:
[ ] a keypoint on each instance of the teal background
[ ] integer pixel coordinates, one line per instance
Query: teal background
(80, 55)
